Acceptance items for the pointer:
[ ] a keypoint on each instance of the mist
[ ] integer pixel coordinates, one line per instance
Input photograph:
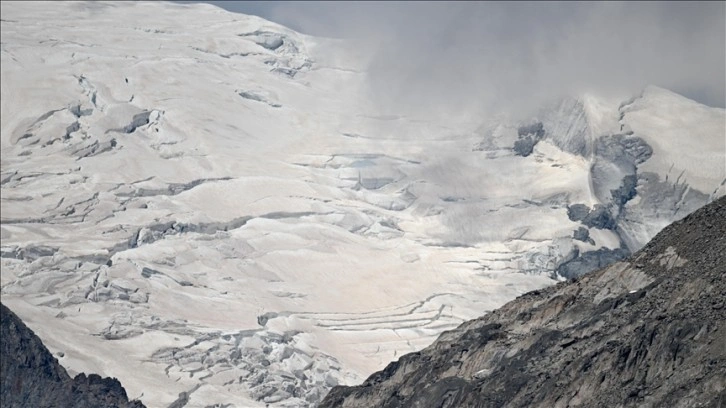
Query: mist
(463, 58)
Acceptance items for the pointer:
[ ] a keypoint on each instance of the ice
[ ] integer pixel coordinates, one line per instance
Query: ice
(665, 119)
(201, 202)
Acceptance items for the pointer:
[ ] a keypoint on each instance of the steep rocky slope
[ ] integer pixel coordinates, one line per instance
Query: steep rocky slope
(644, 332)
(31, 377)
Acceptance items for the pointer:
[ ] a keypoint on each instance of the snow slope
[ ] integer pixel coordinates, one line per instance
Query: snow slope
(201, 202)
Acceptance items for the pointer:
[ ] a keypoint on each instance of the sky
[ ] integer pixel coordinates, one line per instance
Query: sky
(491, 56)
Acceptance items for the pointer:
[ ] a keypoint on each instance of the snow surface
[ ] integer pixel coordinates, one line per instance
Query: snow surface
(679, 131)
(206, 202)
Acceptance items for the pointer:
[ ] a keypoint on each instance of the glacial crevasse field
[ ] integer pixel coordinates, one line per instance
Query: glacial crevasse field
(210, 207)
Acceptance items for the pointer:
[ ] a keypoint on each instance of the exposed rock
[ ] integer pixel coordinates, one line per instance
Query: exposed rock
(577, 212)
(583, 234)
(626, 191)
(614, 173)
(524, 146)
(73, 127)
(645, 332)
(590, 261)
(598, 217)
(32, 377)
(528, 135)
(535, 129)
(624, 150)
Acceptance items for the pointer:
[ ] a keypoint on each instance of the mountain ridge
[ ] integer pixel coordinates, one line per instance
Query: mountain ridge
(31, 376)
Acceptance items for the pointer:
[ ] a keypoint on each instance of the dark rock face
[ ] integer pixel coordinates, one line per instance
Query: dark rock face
(535, 129)
(626, 191)
(32, 377)
(625, 151)
(646, 332)
(590, 261)
(583, 234)
(577, 212)
(528, 136)
(598, 217)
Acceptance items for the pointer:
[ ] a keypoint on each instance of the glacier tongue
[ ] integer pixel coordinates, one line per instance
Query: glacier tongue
(207, 204)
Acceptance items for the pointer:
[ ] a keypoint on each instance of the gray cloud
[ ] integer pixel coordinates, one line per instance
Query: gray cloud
(468, 57)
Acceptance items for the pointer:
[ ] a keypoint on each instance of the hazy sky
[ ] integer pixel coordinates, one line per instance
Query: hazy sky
(518, 54)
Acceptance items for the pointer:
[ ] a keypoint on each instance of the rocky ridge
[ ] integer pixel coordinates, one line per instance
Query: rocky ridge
(32, 377)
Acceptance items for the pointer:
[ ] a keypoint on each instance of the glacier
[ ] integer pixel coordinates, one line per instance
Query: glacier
(213, 209)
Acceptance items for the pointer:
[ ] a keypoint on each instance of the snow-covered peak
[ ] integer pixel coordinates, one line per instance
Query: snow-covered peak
(653, 158)
(688, 138)
(658, 94)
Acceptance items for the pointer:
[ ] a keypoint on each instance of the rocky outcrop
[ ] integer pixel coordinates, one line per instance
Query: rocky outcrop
(528, 137)
(32, 377)
(598, 217)
(644, 332)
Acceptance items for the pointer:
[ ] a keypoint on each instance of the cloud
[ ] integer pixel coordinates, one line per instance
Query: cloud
(464, 58)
